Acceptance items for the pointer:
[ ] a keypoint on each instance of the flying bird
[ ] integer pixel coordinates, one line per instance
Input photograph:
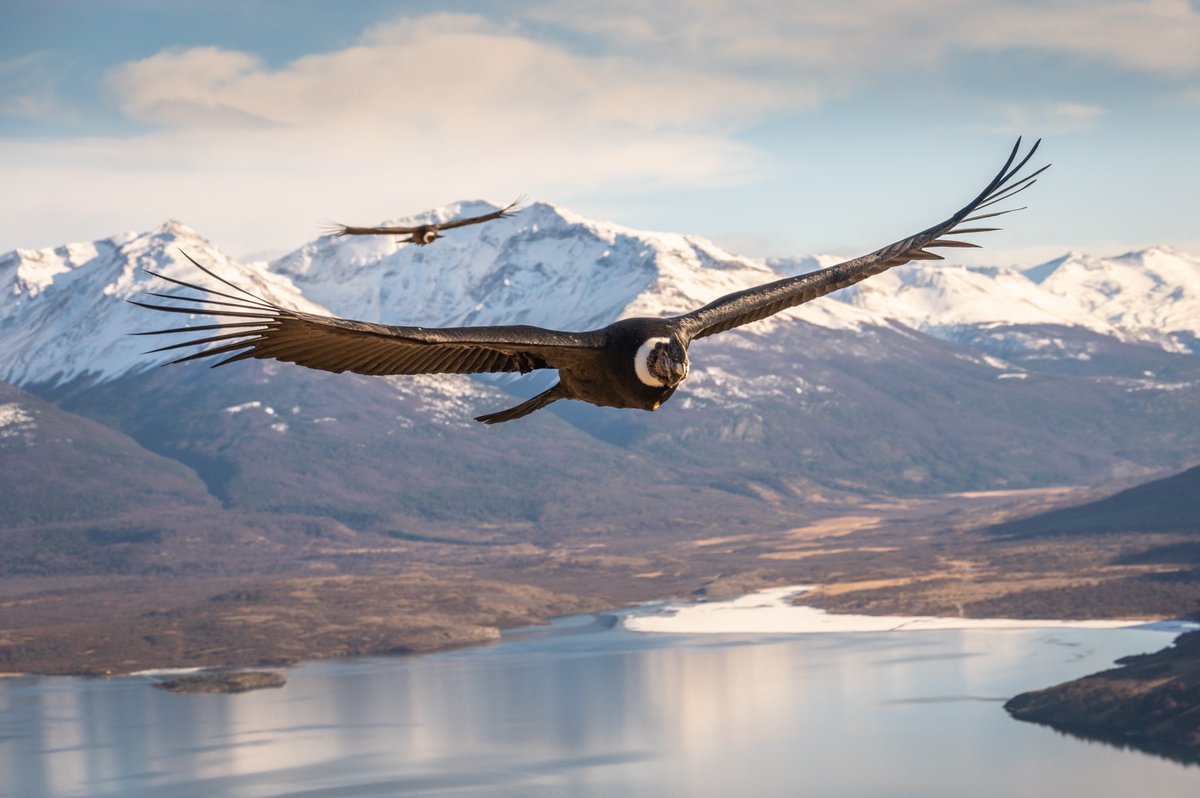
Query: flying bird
(632, 363)
(424, 234)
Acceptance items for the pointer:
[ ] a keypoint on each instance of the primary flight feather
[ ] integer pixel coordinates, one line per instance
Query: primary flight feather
(632, 363)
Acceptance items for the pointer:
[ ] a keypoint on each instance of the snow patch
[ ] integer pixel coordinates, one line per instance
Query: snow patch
(15, 421)
(452, 400)
(771, 612)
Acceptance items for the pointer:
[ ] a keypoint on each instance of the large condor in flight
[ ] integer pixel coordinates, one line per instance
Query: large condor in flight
(632, 363)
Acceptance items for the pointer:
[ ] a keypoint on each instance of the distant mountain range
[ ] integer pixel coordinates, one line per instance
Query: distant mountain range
(929, 378)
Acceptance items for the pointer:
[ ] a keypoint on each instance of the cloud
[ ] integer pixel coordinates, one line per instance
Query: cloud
(434, 74)
(855, 37)
(624, 98)
(418, 112)
(188, 88)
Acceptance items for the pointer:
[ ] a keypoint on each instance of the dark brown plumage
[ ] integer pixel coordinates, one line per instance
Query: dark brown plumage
(633, 363)
(425, 233)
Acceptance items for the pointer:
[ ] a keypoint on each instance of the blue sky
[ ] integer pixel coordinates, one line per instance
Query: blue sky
(772, 128)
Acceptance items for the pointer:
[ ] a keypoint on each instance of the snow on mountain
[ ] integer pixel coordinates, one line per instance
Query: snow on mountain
(928, 297)
(544, 266)
(64, 317)
(550, 267)
(15, 421)
(1148, 296)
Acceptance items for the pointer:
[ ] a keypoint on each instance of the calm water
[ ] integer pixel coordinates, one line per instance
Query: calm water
(581, 709)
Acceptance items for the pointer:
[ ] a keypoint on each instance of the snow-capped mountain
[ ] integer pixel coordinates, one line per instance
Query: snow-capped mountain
(543, 266)
(1150, 296)
(927, 378)
(64, 315)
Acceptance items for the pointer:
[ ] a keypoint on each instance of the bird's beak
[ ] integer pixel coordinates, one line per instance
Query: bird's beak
(679, 372)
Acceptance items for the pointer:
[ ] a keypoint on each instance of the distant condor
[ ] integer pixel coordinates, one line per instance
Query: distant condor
(635, 362)
(424, 234)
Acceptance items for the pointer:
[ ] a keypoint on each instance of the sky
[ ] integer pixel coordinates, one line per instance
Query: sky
(771, 128)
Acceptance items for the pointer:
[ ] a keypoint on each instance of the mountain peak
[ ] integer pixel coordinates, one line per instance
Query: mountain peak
(64, 316)
(1039, 273)
(176, 228)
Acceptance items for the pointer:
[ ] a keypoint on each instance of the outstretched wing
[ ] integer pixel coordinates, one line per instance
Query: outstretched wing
(336, 229)
(743, 307)
(507, 210)
(256, 328)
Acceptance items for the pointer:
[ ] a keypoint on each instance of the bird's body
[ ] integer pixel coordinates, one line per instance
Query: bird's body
(614, 379)
(424, 234)
(631, 363)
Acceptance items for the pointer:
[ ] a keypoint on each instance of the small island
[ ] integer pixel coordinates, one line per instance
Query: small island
(1151, 702)
(240, 682)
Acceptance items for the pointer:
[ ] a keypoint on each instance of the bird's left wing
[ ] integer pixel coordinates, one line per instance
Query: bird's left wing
(507, 210)
(252, 327)
(753, 304)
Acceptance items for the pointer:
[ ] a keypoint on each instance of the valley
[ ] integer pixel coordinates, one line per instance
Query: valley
(361, 593)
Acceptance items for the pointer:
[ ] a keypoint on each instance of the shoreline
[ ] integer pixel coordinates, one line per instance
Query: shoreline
(771, 611)
(763, 611)
(1147, 701)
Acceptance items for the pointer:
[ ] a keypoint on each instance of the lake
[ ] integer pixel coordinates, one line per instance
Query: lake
(587, 707)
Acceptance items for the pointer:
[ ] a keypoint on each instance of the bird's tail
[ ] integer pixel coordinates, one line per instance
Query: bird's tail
(525, 408)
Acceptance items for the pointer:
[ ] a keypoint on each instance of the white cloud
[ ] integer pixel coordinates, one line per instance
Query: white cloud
(188, 88)
(635, 98)
(419, 112)
(855, 37)
(434, 75)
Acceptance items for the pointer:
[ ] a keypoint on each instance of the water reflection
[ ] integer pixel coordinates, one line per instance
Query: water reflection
(584, 709)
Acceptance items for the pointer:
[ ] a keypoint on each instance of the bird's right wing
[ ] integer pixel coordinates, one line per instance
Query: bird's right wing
(753, 304)
(503, 213)
(256, 328)
(336, 229)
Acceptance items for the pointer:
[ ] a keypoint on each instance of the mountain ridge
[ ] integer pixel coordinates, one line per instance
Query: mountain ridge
(550, 267)
(831, 396)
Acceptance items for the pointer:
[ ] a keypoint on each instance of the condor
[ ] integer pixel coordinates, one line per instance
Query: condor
(425, 233)
(632, 363)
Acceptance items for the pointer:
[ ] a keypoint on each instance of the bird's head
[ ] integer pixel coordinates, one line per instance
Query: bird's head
(662, 362)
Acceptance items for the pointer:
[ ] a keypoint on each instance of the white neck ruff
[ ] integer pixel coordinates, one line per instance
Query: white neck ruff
(639, 362)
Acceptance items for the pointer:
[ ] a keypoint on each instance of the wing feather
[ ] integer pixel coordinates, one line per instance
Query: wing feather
(507, 210)
(332, 344)
(754, 304)
(336, 230)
